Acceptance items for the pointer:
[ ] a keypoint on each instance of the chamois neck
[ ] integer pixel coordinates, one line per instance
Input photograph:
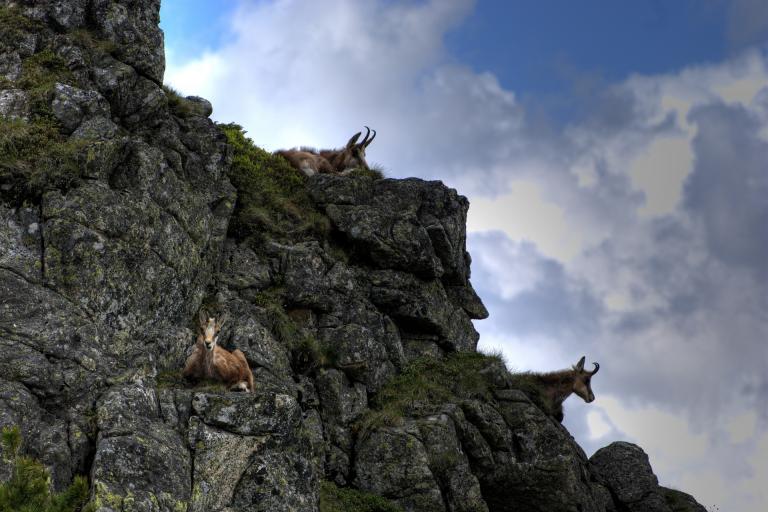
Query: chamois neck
(559, 384)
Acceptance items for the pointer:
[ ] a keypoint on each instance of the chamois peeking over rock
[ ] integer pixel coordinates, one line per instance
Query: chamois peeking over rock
(209, 361)
(331, 161)
(557, 386)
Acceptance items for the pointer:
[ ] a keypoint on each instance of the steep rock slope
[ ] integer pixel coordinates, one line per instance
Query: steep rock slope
(123, 210)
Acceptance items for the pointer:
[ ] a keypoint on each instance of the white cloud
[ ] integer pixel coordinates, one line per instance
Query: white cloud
(634, 236)
(523, 214)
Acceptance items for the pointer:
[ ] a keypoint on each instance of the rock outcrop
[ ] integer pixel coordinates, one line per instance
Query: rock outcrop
(123, 211)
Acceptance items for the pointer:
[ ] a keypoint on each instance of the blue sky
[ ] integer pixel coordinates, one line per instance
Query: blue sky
(614, 155)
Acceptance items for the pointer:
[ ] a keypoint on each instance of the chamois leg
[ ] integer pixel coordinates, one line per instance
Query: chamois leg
(246, 371)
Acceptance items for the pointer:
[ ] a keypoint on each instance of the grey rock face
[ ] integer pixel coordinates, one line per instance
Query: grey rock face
(14, 104)
(627, 473)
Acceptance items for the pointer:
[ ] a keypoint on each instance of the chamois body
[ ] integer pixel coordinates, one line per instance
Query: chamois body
(557, 386)
(209, 361)
(330, 161)
(307, 161)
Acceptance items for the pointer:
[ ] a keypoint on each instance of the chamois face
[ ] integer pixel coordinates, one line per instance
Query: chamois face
(353, 155)
(582, 382)
(209, 329)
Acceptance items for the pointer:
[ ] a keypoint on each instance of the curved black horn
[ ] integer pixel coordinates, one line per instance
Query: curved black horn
(367, 133)
(597, 367)
(371, 140)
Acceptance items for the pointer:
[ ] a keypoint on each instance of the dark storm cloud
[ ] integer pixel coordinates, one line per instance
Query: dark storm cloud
(728, 190)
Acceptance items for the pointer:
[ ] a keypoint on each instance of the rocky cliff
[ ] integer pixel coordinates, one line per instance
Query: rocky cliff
(124, 209)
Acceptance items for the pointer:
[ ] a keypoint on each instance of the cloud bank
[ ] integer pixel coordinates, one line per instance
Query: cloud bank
(636, 234)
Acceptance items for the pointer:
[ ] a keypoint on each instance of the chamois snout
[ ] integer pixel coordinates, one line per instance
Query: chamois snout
(209, 329)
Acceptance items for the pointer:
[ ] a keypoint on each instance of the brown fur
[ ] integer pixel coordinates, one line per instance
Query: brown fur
(330, 161)
(557, 386)
(209, 361)
(306, 161)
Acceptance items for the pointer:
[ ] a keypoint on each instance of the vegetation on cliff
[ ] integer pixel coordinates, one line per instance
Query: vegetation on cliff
(338, 499)
(28, 489)
(272, 196)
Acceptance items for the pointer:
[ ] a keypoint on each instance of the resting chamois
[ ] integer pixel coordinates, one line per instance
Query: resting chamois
(557, 386)
(331, 161)
(209, 361)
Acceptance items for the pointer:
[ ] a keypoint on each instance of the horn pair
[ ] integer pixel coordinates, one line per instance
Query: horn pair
(364, 143)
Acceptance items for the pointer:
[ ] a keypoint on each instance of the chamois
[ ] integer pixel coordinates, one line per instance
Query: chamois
(331, 161)
(209, 361)
(557, 386)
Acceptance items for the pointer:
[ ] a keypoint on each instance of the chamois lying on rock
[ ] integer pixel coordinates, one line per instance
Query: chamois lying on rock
(557, 386)
(331, 161)
(209, 361)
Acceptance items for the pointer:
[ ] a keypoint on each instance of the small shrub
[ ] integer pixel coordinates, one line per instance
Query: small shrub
(338, 499)
(28, 489)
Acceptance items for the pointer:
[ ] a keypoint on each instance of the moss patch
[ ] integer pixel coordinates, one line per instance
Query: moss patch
(338, 499)
(272, 198)
(28, 489)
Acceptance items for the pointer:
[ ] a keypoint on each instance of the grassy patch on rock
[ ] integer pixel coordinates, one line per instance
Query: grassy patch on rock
(35, 157)
(339, 499)
(28, 489)
(427, 384)
(177, 103)
(173, 379)
(272, 198)
(307, 353)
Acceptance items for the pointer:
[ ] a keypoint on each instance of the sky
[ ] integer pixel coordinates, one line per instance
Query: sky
(615, 155)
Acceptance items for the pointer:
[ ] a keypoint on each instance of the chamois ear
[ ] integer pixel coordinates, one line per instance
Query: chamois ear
(202, 318)
(220, 322)
(353, 140)
(580, 364)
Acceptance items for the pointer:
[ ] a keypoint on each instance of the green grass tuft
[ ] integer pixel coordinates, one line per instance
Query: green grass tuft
(339, 499)
(177, 103)
(426, 385)
(272, 201)
(28, 489)
(375, 172)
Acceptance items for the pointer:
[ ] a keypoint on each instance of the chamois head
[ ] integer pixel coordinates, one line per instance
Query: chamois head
(582, 380)
(209, 328)
(353, 154)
